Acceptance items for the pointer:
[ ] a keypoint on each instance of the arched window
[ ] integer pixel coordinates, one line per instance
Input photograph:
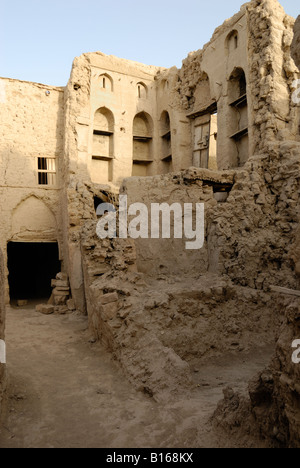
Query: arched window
(142, 91)
(142, 144)
(103, 146)
(232, 42)
(166, 142)
(106, 82)
(237, 84)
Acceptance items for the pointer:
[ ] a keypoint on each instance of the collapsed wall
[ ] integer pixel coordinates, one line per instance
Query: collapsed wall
(160, 308)
(2, 326)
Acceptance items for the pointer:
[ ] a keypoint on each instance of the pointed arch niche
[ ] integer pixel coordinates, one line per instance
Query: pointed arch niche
(238, 101)
(142, 144)
(33, 221)
(103, 146)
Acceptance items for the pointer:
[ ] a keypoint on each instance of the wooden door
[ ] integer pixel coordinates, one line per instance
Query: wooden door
(201, 143)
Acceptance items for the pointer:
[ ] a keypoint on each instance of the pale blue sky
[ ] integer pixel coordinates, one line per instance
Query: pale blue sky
(40, 38)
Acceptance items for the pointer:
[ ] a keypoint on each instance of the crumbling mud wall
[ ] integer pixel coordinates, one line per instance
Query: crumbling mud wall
(271, 74)
(272, 411)
(2, 326)
(160, 310)
(275, 401)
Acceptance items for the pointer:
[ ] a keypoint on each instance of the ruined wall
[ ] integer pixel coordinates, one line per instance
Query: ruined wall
(2, 326)
(159, 307)
(273, 407)
(272, 72)
(275, 393)
(31, 122)
(158, 329)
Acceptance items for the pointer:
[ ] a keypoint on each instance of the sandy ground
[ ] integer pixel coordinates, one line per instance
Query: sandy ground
(65, 392)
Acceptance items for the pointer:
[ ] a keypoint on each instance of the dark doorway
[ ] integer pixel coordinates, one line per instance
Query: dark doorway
(31, 267)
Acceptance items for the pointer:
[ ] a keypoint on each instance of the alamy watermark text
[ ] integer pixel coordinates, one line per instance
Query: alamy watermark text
(296, 93)
(296, 354)
(188, 222)
(2, 352)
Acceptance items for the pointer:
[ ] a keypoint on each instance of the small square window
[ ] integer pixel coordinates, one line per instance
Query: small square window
(46, 171)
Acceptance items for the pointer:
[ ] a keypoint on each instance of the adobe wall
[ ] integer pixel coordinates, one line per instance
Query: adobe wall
(31, 126)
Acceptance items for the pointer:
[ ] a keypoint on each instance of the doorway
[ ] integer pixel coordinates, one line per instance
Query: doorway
(31, 267)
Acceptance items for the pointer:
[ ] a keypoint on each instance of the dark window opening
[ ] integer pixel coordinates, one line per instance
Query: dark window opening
(31, 267)
(141, 91)
(42, 162)
(243, 85)
(43, 178)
